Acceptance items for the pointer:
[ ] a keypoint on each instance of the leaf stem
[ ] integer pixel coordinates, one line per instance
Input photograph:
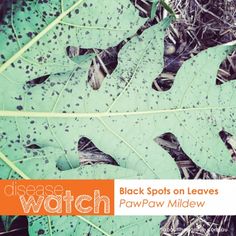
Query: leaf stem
(91, 27)
(13, 166)
(93, 225)
(102, 114)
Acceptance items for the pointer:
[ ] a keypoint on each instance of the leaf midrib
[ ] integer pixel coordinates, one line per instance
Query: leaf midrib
(12, 59)
(8, 113)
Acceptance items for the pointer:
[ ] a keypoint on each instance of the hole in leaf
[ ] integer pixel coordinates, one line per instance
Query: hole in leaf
(17, 226)
(38, 80)
(84, 144)
(227, 69)
(233, 225)
(79, 55)
(5, 7)
(188, 169)
(90, 154)
(20, 226)
(73, 51)
(102, 65)
(106, 60)
(172, 63)
(163, 82)
(33, 146)
(230, 142)
(143, 7)
(2, 229)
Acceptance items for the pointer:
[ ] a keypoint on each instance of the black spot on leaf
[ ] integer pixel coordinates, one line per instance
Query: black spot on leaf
(38, 80)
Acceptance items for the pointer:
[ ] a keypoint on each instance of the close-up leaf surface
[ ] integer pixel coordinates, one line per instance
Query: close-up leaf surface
(35, 34)
(40, 125)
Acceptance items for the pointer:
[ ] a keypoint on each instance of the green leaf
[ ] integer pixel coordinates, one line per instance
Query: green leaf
(164, 5)
(80, 111)
(35, 34)
(122, 119)
(58, 137)
(96, 226)
(195, 110)
(154, 8)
